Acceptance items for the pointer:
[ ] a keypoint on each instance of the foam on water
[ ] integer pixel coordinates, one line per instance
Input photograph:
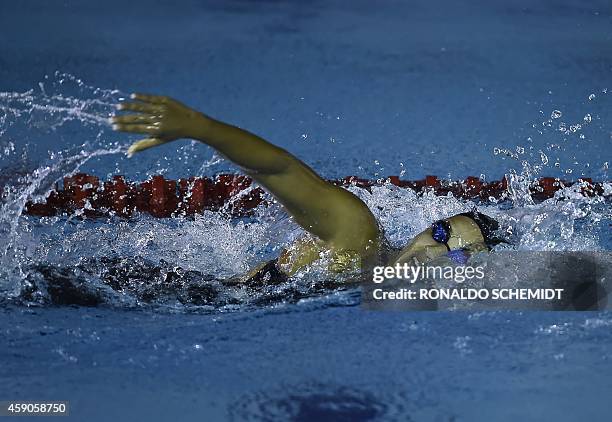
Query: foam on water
(189, 256)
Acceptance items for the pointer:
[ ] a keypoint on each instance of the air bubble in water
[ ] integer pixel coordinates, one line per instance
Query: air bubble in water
(555, 114)
(544, 158)
(591, 97)
(587, 118)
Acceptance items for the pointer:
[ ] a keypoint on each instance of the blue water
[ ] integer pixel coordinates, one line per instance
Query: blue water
(342, 86)
(451, 88)
(401, 366)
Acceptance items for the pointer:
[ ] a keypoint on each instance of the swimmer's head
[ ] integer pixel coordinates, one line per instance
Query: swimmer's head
(471, 231)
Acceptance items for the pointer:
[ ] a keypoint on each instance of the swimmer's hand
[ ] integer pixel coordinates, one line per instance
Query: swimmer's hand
(161, 118)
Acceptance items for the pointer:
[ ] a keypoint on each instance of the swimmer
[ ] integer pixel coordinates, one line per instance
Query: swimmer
(336, 221)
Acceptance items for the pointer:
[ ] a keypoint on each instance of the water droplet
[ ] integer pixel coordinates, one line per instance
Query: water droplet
(555, 114)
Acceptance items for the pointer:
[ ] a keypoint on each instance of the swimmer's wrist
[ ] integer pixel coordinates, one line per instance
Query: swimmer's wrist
(198, 126)
(208, 130)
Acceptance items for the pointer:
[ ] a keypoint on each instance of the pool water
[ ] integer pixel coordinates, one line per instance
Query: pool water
(394, 88)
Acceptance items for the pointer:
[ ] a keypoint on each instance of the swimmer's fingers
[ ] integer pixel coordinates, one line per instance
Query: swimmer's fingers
(133, 118)
(141, 107)
(151, 99)
(159, 117)
(150, 129)
(144, 144)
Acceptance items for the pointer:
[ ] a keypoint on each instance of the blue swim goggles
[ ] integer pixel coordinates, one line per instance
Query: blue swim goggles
(441, 233)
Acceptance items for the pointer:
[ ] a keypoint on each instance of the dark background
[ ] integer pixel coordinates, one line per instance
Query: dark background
(353, 87)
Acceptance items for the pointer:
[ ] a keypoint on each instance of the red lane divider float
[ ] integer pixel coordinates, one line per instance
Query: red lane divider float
(233, 193)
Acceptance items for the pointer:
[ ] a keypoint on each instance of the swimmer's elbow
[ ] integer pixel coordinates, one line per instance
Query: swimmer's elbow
(357, 230)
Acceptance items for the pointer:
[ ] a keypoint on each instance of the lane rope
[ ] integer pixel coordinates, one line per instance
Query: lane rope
(235, 194)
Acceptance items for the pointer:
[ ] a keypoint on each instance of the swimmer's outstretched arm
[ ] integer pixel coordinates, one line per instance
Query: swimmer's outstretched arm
(329, 212)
